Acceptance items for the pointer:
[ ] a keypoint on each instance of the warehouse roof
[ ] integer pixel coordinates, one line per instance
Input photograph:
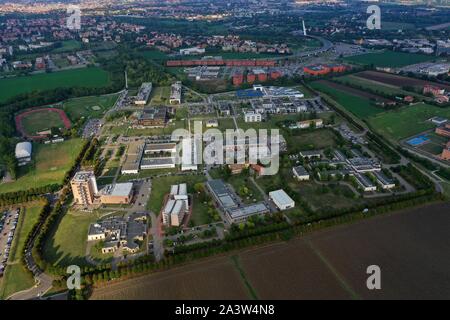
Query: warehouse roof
(281, 197)
(23, 150)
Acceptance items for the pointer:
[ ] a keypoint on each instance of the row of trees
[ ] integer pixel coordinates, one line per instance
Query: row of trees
(26, 195)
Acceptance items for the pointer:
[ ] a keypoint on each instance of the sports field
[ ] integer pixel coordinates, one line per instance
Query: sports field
(86, 77)
(359, 106)
(407, 121)
(88, 107)
(49, 164)
(39, 121)
(389, 59)
(16, 277)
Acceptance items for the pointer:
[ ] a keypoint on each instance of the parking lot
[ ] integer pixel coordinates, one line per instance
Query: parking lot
(8, 224)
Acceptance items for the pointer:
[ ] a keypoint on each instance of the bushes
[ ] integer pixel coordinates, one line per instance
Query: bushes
(26, 195)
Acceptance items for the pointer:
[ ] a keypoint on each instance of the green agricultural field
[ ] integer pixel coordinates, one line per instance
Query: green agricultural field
(49, 165)
(407, 121)
(67, 243)
(16, 277)
(385, 89)
(359, 106)
(389, 59)
(40, 121)
(88, 107)
(161, 187)
(91, 77)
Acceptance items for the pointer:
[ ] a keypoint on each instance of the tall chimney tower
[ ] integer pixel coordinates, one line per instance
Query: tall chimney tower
(304, 28)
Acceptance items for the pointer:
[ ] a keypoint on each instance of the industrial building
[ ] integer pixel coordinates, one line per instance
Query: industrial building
(175, 93)
(119, 193)
(133, 158)
(23, 153)
(281, 199)
(143, 94)
(84, 187)
(317, 123)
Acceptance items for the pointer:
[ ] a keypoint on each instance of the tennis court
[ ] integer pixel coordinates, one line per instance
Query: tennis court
(417, 141)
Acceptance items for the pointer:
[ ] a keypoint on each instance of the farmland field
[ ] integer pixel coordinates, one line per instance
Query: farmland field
(373, 85)
(359, 106)
(407, 121)
(49, 165)
(16, 277)
(395, 80)
(327, 264)
(86, 77)
(389, 59)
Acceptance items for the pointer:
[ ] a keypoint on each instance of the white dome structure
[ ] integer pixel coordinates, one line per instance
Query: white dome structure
(23, 150)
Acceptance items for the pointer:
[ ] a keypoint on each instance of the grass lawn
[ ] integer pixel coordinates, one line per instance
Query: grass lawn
(160, 95)
(161, 186)
(88, 107)
(407, 121)
(40, 121)
(68, 45)
(154, 55)
(238, 181)
(92, 77)
(17, 277)
(336, 197)
(200, 212)
(67, 242)
(359, 106)
(226, 123)
(312, 139)
(389, 59)
(49, 165)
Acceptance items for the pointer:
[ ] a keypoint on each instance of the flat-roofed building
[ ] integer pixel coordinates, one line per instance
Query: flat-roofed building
(212, 123)
(157, 163)
(221, 194)
(242, 213)
(152, 148)
(317, 123)
(153, 117)
(365, 183)
(310, 154)
(133, 158)
(300, 173)
(84, 187)
(119, 193)
(281, 199)
(175, 93)
(384, 181)
(143, 94)
(252, 117)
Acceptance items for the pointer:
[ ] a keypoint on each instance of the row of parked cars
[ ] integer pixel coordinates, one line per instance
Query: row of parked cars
(7, 219)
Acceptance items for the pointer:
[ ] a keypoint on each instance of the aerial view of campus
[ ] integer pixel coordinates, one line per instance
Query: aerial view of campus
(203, 150)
